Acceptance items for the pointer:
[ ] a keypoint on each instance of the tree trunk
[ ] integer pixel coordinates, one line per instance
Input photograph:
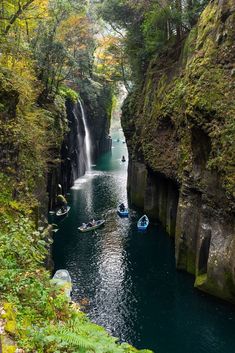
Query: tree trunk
(178, 5)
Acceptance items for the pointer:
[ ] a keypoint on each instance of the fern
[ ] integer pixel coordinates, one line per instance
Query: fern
(84, 336)
(73, 339)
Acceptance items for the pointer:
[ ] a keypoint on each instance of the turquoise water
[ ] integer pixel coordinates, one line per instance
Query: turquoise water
(127, 280)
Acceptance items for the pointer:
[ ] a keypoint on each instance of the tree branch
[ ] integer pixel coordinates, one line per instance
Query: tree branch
(19, 12)
(116, 30)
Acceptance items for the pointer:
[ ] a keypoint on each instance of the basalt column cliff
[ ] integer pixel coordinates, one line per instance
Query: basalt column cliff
(179, 126)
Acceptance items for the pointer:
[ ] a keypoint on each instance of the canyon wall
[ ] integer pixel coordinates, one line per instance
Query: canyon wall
(179, 127)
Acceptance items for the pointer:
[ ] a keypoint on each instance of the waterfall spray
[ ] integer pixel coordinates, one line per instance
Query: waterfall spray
(87, 138)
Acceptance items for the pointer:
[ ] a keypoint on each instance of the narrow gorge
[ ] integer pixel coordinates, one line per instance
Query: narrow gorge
(108, 104)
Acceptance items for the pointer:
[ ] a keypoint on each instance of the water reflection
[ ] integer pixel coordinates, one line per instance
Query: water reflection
(111, 271)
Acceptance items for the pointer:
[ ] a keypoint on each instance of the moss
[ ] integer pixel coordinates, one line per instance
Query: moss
(8, 349)
(9, 316)
(10, 327)
(200, 280)
(206, 24)
(209, 285)
(9, 311)
(188, 49)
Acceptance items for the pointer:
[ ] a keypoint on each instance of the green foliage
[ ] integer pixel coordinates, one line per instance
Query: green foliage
(68, 93)
(154, 29)
(150, 27)
(15, 253)
(79, 334)
(63, 45)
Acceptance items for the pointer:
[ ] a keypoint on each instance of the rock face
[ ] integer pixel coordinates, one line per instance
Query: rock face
(97, 103)
(71, 164)
(97, 100)
(179, 127)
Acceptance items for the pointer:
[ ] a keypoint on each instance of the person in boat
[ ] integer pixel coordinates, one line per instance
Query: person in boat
(144, 221)
(62, 202)
(122, 207)
(91, 223)
(123, 159)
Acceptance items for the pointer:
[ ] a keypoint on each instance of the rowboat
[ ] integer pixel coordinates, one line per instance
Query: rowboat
(143, 223)
(89, 227)
(62, 279)
(123, 213)
(61, 212)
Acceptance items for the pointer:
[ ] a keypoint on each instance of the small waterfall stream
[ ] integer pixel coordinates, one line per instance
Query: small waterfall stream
(87, 138)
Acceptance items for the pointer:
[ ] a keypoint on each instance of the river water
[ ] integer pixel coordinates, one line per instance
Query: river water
(127, 280)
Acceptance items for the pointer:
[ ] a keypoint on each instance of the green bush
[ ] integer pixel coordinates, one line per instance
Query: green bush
(69, 93)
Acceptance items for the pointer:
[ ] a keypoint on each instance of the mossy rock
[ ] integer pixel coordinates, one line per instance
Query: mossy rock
(209, 285)
(200, 280)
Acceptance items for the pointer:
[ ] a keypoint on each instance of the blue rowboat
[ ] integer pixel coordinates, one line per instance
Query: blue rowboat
(143, 223)
(123, 213)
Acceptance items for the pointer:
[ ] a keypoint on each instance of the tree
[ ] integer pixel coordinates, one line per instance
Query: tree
(15, 14)
(150, 25)
(111, 60)
(62, 45)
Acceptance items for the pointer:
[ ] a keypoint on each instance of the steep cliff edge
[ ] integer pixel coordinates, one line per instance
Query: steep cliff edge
(179, 127)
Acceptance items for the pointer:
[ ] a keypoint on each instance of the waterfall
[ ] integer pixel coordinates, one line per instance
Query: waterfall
(87, 138)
